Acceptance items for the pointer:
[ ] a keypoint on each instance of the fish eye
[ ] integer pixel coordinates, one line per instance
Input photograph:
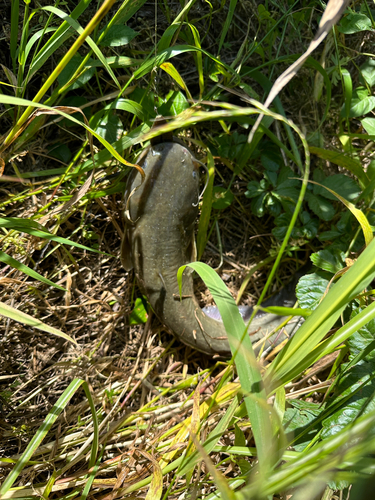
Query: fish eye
(194, 174)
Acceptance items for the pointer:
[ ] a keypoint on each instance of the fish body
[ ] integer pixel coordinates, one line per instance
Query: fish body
(159, 238)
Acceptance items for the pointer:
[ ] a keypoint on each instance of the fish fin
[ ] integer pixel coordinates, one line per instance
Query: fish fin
(126, 253)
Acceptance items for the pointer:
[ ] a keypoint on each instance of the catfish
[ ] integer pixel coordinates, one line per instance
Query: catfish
(159, 237)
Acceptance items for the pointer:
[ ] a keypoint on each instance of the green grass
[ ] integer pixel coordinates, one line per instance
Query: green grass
(80, 90)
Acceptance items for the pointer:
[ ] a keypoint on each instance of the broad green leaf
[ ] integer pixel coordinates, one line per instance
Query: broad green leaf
(342, 185)
(139, 313)
(369, 125)
(320, 206)
(368, 71)
(61, 152)
(26, 319)
(110, 127)
(328, 260)
(175, 103)
(253, 189)
(311, 289)
(362, 339)
(69, 70)
(343, 450)
(346, 187)
(271, 161)
(117, 35)
(297, 420)
(360, 107)
(258, 204)
(354, 23)
(286, 191)
(286, 178)
(356, 390)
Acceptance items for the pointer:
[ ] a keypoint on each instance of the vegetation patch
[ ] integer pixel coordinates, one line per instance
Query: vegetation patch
(97, 398)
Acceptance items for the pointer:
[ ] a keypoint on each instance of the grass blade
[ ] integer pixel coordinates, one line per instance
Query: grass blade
(50, 419)
(21, 317)
(30, 226)
(247, 367)
(7, 259)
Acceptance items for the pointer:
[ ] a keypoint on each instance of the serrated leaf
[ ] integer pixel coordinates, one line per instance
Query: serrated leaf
(358, 214)
(279, 232)
(273, 206)
(342, 185)
(311, 289)
(309, 230)
(320, 206)
(356, 390)
(253, 189)
(286, 178)
(352, 164)
(117, 36)
(286, 191)
(271, 177)
(331, 261)
(329, 235)
(295, 422)
(361, 339)
(258, 204)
